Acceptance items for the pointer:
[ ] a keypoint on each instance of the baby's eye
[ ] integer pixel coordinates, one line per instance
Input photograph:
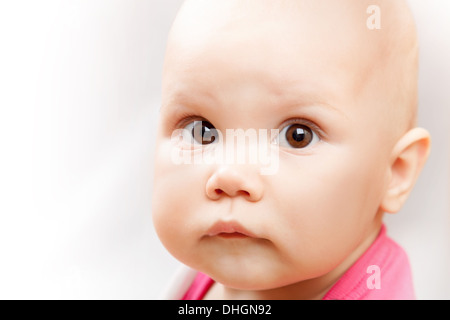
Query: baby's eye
(297, 136)
(200, 132)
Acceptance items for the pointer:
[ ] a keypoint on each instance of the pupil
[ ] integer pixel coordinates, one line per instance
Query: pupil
(206, 133)
(202, 133)
(298, 134)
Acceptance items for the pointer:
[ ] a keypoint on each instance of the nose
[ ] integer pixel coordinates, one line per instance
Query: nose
(228, 181)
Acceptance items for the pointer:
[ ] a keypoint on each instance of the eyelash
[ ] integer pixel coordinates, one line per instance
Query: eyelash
(187, 117)
(312, 125)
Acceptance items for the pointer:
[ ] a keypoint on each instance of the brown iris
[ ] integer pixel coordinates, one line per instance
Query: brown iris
(299, 136)
(203, 132)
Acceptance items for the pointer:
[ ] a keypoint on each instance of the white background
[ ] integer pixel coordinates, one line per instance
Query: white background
(79, 93)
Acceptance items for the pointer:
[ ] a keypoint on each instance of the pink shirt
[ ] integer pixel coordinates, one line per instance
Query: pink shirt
(381, 273)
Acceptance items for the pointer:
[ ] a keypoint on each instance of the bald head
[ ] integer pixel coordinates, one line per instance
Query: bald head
(295, 40)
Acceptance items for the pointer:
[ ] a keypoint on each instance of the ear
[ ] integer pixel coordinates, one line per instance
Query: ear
(408, 157)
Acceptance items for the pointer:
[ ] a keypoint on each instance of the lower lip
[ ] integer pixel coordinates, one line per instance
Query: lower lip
(234, 235)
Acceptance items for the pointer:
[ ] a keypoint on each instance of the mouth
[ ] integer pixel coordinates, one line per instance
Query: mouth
(229, 230)
(236, 235)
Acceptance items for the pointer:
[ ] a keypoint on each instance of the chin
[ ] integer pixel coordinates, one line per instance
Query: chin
(247, 280)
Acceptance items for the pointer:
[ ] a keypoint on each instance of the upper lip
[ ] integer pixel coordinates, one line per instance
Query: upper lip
(228, 227)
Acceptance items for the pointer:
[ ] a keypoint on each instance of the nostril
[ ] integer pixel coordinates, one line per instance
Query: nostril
(240, 192)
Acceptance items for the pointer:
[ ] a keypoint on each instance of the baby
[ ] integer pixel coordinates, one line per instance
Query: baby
(334, 86)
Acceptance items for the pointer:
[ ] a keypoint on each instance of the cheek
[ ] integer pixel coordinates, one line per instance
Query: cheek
(326, 185)
(326, 203)
(174, 199)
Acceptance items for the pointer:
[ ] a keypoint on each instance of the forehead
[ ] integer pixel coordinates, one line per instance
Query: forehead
(222, 50)
(280, 51)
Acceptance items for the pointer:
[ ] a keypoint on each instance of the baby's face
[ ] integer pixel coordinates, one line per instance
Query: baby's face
(268, 69)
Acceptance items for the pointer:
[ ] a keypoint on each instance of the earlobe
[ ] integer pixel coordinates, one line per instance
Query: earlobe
(408, 158)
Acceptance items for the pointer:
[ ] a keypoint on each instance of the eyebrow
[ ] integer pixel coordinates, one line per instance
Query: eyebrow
(181, 100)
(311, 102)
(301, 100)
(304, 100)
